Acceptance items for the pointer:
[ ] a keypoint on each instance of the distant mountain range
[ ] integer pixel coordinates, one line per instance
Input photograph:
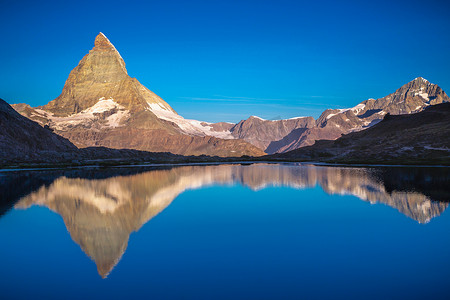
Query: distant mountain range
(285, 135)
(415, 138)
(102, 106)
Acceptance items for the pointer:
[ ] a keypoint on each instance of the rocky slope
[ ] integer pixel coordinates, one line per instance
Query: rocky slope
(423, 137)
(25, 142)
(101, 105)
(23, 138)
(101, 213)
(262, 133)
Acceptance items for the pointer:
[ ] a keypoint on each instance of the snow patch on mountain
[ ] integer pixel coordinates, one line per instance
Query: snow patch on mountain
(295, 118)
(191, 127)
(341, 110)
(87, 117)
(115, 119)
(358, 108)
(417, 78)
(101, 106)
(159, 108)
(424, 96)
(256, 117)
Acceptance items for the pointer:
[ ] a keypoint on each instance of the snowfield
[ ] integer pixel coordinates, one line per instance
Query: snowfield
(89, 115)
(191, 127)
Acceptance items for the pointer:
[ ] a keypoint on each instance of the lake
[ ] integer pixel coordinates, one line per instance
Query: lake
(237, 231)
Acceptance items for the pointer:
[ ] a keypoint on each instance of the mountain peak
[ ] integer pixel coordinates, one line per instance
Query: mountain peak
(101, 41)
(417, 83)
(256, 117)
(421, 80)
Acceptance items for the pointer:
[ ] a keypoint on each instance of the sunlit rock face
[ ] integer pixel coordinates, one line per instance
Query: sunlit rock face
(100, 214)
(100, 74)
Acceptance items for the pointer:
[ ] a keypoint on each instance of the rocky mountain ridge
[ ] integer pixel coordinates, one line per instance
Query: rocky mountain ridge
(412, 97)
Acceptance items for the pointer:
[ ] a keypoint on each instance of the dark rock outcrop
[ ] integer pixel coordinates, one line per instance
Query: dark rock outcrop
(22, 138)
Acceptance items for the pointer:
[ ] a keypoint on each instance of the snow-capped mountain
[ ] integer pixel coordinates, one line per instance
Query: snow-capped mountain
(101, 105)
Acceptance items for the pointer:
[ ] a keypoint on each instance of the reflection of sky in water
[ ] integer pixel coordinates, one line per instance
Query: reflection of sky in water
(259, 231)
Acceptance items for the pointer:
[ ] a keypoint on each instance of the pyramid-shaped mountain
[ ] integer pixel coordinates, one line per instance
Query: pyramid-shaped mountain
(101, 105)
(101, 74)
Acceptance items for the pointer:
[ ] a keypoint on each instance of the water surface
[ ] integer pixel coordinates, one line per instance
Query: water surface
(258, 231)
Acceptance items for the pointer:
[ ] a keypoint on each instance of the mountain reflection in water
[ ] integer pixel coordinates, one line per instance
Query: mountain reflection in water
(100, 214)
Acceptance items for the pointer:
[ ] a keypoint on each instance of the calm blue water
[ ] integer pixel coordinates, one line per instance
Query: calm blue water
(226, 232)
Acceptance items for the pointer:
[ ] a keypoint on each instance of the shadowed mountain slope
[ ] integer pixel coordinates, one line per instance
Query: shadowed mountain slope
(21, 137)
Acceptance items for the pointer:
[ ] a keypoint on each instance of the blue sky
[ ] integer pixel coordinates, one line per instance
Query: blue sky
(227, 60)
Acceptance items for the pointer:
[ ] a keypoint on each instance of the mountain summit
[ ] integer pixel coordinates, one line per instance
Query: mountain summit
(101, 41)
(21, 138)
(101, 74)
